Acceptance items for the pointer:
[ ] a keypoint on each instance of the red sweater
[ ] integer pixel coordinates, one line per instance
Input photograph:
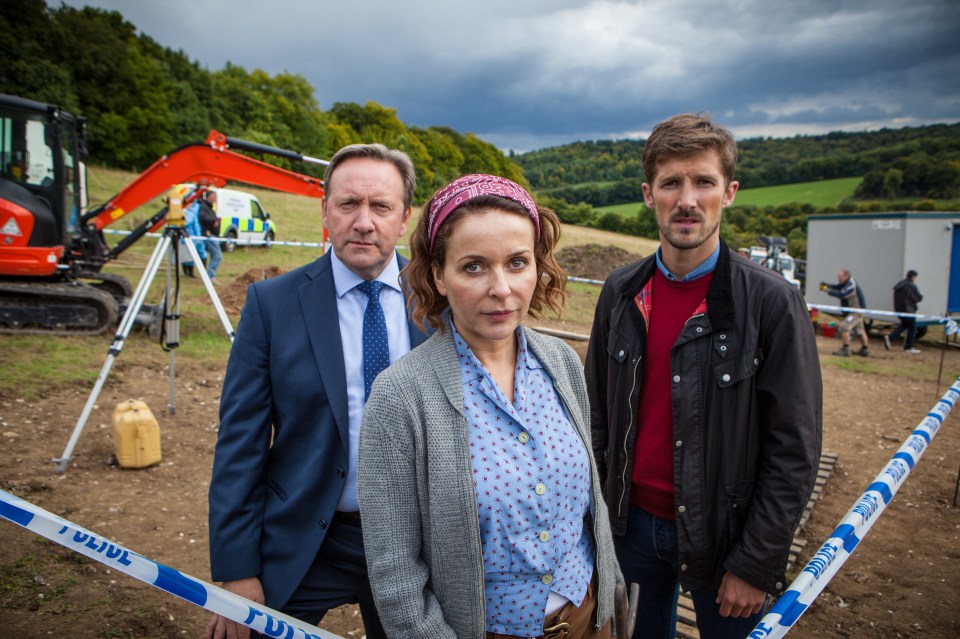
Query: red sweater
(652, 477)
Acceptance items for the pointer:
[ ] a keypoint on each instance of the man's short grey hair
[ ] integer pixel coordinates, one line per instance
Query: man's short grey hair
(378, 152)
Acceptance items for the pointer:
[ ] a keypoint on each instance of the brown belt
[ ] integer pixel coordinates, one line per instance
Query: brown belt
(569, 621)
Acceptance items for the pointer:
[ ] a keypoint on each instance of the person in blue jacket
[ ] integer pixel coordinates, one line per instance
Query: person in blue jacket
(192, 227)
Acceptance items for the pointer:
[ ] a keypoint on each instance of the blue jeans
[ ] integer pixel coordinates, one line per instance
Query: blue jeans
(648, 556)
(908, 324)
(216, 255)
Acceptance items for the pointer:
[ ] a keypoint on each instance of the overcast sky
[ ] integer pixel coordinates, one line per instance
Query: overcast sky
(527, 74)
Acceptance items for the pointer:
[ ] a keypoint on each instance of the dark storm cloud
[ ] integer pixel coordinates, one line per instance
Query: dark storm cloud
(540, 72)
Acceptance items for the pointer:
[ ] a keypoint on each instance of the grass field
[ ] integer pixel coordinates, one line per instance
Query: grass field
(820, 194)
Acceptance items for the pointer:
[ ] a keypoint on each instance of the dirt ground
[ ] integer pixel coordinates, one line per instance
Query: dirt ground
(902, 581)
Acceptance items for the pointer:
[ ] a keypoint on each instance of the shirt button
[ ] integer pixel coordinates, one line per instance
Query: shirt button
(756, 362)
(323, 523)
(723, 336)
(683, 567)
(679, 443)
(547, 579)
(726, 377)
(544, 536)
(779, 585)
(540, 489)
(676, 379)
(723, 349)
(523, 437)
(699, 329)
(620, 354)
(682, 509)
(341, 472)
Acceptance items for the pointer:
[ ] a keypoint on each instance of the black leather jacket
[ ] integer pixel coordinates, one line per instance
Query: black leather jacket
(209, 223)
(747, 406)
(906, 296)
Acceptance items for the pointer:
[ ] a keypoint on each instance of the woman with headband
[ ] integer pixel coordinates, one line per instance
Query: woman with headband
(481, 505)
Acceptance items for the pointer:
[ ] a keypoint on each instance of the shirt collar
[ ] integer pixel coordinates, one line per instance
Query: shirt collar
(525, 358)
(346, 280)
(706, 267)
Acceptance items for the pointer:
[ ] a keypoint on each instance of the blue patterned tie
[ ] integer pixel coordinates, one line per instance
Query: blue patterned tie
(376, 352)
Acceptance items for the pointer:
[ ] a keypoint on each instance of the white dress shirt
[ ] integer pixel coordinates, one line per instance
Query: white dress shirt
(351, 305)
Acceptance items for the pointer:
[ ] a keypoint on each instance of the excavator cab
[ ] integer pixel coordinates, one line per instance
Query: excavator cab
(42, 190)
(42, 195)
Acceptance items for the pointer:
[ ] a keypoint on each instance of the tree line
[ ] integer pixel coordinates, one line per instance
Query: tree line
(143, 100)
(919, 162)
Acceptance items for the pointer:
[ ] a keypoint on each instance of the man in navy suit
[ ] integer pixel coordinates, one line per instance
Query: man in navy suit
(284, 522)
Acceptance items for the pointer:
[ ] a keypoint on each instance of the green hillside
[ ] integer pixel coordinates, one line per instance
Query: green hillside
(820, 193)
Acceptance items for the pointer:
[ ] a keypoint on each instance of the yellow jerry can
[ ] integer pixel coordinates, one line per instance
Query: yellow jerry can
(136, 435)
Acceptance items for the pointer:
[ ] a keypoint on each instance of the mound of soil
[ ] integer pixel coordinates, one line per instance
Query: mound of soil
(234, 294)
(594, 261)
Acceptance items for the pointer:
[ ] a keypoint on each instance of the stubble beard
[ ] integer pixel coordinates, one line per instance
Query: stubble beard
(686, 240)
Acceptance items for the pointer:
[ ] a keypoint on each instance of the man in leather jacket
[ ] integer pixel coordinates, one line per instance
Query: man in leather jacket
(706, 414)
(906, 296)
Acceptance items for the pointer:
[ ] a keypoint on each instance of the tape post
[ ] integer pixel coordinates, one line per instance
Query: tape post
(262, 619)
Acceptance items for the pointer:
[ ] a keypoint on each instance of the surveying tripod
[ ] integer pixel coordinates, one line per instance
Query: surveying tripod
(169, 246)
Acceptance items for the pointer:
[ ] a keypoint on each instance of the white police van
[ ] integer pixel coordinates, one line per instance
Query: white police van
(243, 218)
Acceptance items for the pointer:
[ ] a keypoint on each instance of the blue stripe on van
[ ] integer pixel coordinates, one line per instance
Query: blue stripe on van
(246, 225)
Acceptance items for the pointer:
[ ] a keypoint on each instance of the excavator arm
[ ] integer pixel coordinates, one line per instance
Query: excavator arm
(210, 163)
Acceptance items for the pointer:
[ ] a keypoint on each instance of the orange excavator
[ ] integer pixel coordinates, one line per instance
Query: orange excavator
(52, 250)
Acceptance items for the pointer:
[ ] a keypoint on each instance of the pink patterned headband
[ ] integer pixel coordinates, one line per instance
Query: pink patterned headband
(462, 190)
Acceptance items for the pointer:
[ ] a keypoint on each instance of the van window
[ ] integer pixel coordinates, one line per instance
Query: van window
(255, 210)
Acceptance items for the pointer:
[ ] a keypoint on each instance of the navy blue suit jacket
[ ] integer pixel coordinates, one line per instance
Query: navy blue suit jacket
(271, 504)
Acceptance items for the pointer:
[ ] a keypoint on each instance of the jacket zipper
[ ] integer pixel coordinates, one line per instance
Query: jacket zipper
(626, 437)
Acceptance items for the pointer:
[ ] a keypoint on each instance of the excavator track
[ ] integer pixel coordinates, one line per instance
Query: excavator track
(116, 285)
(60, 308)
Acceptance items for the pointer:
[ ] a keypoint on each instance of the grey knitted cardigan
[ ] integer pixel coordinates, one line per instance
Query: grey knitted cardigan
(420, 524)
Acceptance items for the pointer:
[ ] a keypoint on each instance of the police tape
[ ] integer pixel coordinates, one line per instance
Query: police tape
(264, 620)
(873, 313)
(854, 526)
(224, 240)
(870, 313)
